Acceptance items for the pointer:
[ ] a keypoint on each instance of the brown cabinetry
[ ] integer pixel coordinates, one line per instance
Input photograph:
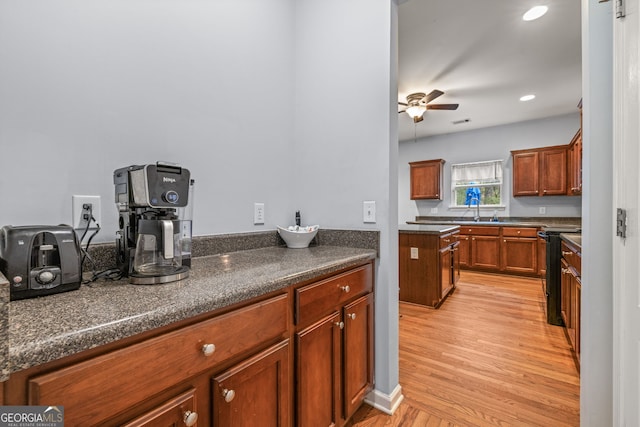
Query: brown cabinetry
(519, 250)
(540, 171)
(429, 266)
(571, 290)
(300, 356)
(334, 347)
(426, 179)
(574, 161)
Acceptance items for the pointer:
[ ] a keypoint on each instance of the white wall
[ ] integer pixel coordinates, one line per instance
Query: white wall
(253, 96)
(598, 229)
(87, 87)
(491, 143)
(345, 155)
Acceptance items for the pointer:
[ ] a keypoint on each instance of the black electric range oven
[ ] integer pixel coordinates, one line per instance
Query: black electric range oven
(551, 282)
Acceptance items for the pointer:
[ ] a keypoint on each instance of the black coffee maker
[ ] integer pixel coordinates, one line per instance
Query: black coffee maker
(154, 237)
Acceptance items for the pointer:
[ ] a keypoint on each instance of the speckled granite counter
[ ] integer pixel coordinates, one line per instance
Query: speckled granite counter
(4, 328)
(502, 222)
(574, 239)
(427, 228)
(49, 328)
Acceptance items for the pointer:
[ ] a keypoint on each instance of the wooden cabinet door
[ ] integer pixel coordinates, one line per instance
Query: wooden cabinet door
(553, 167)
(485, 252)
(576, 316)
(255, 392)
(358, 353)
(526, 167)
(426, 179)
(542, 257)
(179, 411)
(565, 294)
(520, 255)
(456, 263)
(318, 370)
(464, 249)
(574, 161)
(446, 277)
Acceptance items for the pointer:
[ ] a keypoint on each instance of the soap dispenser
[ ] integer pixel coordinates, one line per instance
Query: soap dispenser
(298, 218)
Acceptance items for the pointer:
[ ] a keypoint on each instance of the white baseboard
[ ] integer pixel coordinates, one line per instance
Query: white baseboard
(387, 403)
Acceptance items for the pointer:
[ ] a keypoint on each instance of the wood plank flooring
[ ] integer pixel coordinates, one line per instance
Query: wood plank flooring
(486, 357)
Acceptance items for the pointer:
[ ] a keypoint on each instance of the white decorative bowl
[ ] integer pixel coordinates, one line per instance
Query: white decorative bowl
(298, 237)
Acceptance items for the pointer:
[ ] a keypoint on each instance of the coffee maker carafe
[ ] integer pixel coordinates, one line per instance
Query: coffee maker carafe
(151, 240)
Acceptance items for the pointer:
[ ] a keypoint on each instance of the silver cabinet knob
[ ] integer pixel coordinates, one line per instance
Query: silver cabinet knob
(346, 288)
(340, 325)
(208, 349)
(190, 418)
(228, 395)
(351, 316)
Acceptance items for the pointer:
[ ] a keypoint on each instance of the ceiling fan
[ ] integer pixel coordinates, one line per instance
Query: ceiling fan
(418, 103)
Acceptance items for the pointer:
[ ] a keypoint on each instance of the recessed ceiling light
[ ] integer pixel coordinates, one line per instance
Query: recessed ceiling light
(535, 13)
(527, 97)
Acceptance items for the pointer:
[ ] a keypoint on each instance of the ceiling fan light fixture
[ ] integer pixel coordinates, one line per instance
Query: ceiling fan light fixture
(534, 13)
(527, 97)
(416, 110)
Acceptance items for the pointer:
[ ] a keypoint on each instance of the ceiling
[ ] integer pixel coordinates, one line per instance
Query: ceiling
(483, 56)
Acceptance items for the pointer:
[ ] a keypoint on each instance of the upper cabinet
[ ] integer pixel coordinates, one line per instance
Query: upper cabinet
(540, 171)
(426, 179)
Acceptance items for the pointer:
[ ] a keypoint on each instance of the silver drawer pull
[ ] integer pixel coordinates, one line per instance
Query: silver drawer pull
(228, 395)
(346, 288)
(190, 418)
(208, 349)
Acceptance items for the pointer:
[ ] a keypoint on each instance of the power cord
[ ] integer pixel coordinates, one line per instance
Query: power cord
(109, 274)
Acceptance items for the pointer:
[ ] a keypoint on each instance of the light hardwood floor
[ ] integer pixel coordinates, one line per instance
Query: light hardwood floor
(486, 357)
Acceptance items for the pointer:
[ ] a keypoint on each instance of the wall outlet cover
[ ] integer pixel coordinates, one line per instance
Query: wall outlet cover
(79, 215)
(258, 213)
(369, 211)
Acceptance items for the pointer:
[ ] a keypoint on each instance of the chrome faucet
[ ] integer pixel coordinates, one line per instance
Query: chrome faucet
(477, 199)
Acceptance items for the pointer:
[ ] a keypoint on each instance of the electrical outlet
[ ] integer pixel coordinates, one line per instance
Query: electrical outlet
(369, 211)
(542, 210)
(258, 213)
(434, 210)
(83, 207)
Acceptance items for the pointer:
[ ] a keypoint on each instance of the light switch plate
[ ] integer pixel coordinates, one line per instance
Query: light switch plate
(258, 213)
(369, 211)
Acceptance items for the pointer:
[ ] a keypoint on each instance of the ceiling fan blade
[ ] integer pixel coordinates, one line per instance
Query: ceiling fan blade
(418, 119)
(401, 111)
(442, 107)
(433, 95)
(402, 103)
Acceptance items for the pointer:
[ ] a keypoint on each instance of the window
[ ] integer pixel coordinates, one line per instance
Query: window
(477, 183)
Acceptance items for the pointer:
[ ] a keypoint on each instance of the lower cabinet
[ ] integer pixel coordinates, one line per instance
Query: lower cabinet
(302, 357)
(570, 299)
(255, 392)
(429, 266)
(485, 252)
(334, 352)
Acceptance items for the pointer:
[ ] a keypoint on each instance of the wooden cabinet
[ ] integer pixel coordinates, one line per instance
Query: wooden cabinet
(299, 356)
(429, 267)
(540, 171)
(574, 162)
(334, 347)
(485, 247)
(255, 391)
(464, 250)
(542, 257)
(426, 179)
(571, 290)
(520, 250)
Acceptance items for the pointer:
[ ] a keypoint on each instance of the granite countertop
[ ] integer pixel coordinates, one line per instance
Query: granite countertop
(427, 228)
(574, 239)
(4, 328)
(48, 328)
(504, 222)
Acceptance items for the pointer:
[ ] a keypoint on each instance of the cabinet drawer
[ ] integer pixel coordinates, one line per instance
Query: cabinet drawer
(572, 257)
(448, 240)
(96, 389)
(480, 231)
(519, 232)
(312, 301)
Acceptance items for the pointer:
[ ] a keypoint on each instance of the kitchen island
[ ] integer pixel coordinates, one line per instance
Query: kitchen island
(429, 262)
(149, 345)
